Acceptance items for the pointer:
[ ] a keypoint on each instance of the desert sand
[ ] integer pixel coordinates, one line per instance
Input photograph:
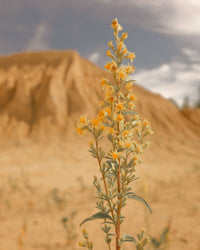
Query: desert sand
(46, 172)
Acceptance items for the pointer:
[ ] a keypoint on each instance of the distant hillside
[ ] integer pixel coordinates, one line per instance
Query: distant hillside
(43, 94)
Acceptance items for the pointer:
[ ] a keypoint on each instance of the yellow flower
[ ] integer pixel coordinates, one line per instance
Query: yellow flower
(129, 86)
(111, 66)
(131, 105)
(125, 51)
(143, 230)
(101, 103)
(90, 142)
(120, 46)
(124, 36)
(101, 113)
(138, 149)
(147, 144)
(120, 106)
(146, 123)
(114, 23)
(120, 117)
(95, 122)
(132, 69)
(111, 131)
(110, 44)
(131, 56)
(119, 27)
(80, 244)
(132, 97)
(108, 66)
(102, 127)
(121, 75)
(83, 231)
(116, 26)
(135, 157)
(115, 155)
(138, 124)
(82, 119)
(135, 117)
(80, 131)
(111, 99)
(149, 131)
(114, 66)
(100, 118)
(109, 93)
(108, 111)
(103, 81)
(127, 144)
(125, 133)
(108, 53)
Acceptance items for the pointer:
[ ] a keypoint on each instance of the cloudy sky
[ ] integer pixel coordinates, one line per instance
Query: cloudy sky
(165, 35)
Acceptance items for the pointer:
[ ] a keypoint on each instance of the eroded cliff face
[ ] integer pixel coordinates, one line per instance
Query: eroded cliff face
(43, 94)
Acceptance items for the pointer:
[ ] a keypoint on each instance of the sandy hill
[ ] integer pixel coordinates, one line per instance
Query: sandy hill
(44, 93)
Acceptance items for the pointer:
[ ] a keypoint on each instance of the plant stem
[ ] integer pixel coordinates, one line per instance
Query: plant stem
(104, 181)
(106, 189)
(118, 187)
(118, 207)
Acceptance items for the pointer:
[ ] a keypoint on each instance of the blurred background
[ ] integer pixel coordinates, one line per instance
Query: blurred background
(164, 35)
(52, 56)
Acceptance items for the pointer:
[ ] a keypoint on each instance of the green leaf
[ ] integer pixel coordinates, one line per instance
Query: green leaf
(107, 169)
(135, 179)
(130, 81)
(128, 237)
(97, 216)
(130, 112)
(84, 127)
(99, 139)
(138, 198)
(110, 138)
(130, 164)
(109, 83)
(107, 157)
(109, 163)
(99, 132)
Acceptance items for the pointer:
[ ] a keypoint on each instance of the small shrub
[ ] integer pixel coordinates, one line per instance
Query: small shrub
(125, 132)
(59, 198)
(68, 224)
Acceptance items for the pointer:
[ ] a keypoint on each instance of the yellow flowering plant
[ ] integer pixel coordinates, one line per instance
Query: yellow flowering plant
(119, 123)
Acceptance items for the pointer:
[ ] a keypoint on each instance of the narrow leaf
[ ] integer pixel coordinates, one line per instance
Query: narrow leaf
(128, 237)
(138, 198)
(132, 80)
(130, 112)
(97, 216)
(110, 138)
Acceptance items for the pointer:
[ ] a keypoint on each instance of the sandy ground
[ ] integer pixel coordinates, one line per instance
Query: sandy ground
(41, 184)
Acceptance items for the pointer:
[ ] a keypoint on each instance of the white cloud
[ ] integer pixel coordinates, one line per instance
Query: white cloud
(39, 40)
(94, 57)
(174, 80)
(192, 54)
(174, 16)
